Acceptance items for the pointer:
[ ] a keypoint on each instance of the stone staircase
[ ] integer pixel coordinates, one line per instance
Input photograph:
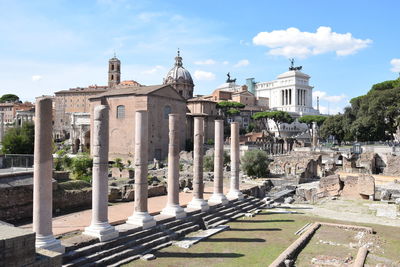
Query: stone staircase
(135, 242)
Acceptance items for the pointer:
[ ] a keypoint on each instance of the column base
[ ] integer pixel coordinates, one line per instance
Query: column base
(103, 231)
(174, 210)
(218, 198)
(235, 194)
(143, 219)
(198, 203)
(50, 243)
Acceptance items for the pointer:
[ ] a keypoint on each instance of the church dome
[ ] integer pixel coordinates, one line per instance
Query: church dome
(178, 74)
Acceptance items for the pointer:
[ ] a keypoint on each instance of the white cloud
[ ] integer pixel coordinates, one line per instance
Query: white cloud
(204, 75)
(225, 62)
(205, 62)
(242, 63)
(330, 110)
(36, 78)
(294, 43)
(395, 65)
(329, 98)
(153, 70)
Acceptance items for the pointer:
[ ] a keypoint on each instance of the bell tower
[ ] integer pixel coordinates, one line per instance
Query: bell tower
(114, 72)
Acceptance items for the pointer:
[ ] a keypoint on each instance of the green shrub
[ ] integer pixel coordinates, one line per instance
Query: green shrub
(255, 163)
(118, 164)
(81, 167)
(208, 162)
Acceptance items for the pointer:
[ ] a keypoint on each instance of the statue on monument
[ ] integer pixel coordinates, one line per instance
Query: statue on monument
(229, 80)
(292, 67)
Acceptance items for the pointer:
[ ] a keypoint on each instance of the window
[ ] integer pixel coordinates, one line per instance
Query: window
(112, 66)
(120, 112)
(112, 77)
(167, 111)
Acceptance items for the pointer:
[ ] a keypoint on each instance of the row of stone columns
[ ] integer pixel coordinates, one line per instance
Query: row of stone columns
(100, 227)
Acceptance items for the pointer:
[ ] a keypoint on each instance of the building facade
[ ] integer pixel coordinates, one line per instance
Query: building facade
(290, 92)
(159, 100)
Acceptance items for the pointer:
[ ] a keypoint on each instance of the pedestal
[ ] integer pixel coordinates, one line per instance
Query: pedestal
(50, 243)
(103, 231)
(143, 219)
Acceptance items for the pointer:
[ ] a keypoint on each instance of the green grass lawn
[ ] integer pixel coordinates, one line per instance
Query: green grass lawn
(258, 241)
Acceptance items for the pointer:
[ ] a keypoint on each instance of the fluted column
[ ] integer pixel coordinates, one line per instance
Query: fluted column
(172, 208)
(234, 188)
(42, 178)
(99, 226)
(198, 201)
(218, 194)
(141, 215)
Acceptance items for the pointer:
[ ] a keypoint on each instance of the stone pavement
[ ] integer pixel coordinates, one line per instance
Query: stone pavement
(118, 213)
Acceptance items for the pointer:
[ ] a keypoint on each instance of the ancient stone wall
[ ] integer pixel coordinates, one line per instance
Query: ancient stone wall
(392, 166)
(300, 164)
(17, 199)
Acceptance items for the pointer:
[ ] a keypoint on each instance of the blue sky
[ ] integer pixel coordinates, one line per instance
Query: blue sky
(345, 46)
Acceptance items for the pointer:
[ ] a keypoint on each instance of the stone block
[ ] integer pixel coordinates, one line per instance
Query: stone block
(331, 185)
(350, 189)
(366, 185)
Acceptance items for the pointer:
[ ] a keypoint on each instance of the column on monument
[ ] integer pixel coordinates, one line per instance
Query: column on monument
(198, 201)
(42, 178)
(173, 208)
(218, 194)
(99, 226)
(141, 216)
(234, 192)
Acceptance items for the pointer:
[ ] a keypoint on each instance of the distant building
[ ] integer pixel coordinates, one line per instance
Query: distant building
(76, 100)
(180, 79)
(290, 92)
(159, 100)
(12, 109)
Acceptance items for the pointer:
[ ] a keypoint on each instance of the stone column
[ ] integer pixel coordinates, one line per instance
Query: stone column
(172, 208)
(1, 126)
(315, 135)
(140, 216)
(198, 201)
(234, 189)
(99, 226)
(42, 178)
(218, 194)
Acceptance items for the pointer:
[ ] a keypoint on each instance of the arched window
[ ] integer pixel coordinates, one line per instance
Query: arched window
(112, 77)
(167, 111)
(112, 66)
(120, 112)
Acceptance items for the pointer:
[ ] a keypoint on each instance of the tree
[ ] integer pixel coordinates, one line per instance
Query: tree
(310, 119)
(278, 117)
(255, 163)
(19, 140)
(333, 125)
(9, 98)
(227, 109)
